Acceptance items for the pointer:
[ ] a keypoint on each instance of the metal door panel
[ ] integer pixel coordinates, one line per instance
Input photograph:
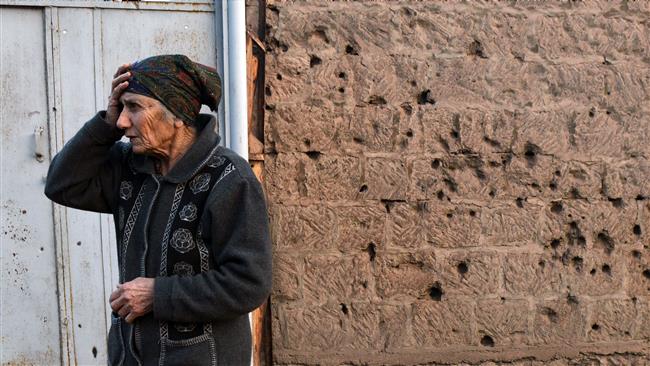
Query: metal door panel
(30, 319)
(77, 97)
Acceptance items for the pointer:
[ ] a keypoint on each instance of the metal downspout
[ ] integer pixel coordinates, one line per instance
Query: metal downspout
(230, 25)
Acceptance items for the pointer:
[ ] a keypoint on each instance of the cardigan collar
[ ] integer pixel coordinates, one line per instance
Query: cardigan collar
(194, 159)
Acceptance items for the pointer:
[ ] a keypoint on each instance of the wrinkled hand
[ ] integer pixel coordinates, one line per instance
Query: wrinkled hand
(133, 299)
(119, 84)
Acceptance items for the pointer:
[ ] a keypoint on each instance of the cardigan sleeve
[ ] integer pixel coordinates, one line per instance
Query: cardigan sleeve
(85, 172)
(241, 244)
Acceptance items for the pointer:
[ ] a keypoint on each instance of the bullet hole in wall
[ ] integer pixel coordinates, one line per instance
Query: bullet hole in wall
(530, 153)
(435, 164)
(372, 251)
(520, 202)
(313, 155)
(94, 351)
(341, 90)
(472, 213)
(364, 188)
(344, 309)
(307, 142)
(425, 98)
(592, 272)
(407, 108)
(409, 133)
(487, 341)
(574, 235)
(550, 314)
(376, 100)
(278, 76)
(315, 60)
(342, 75)
(572, 299)
(351, 51)
(492, 193)
(595, 326)
(440, 194)
(556, 207)
(462, 268)
(606, 269)
(617, 202)
(592, 112)
(476, 49)
(358, 140)
(636, 254)
(637, 230)
(435, 292)
(78, 243)
(555, 243)
(577, 263)
(646, 273)
(552, 185)
(450, 215)
(606, 241)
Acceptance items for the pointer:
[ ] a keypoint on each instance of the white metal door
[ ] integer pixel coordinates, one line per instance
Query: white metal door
(57, 65)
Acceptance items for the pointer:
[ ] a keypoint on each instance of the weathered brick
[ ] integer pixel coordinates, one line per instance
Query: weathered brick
(531, 274)
(386, 179)
(627, 179)
(371, 128)
(592, 273)
(406, 276)
(471, 273)
(302, 227)
(395, 327)
(288, 131)
(335, 278)
(406, 229)
(443, 323)
(333, 177)
(284, 176)
(360, 228)
(287, 272)
(642, 327)
(505, 322)
(558, 321)
(444, 177)
(361, 322)
(452, 226)
(638, 270)
(532, 174)
(602, 226)
(294, 327)
(611, 320)
(294, 85)
(513, 224)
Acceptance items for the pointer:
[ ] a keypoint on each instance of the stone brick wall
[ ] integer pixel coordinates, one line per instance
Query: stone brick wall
(456, 182)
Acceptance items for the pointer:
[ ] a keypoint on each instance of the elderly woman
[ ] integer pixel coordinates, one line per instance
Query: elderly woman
(191, 223)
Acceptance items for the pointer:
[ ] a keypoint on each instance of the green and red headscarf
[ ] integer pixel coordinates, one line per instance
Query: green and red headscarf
(178, 83)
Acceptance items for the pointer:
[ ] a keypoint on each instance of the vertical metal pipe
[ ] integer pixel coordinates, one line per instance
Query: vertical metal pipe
(237, 84)
(230, 18)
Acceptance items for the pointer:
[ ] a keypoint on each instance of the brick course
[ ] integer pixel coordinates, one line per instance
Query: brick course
(459, 183)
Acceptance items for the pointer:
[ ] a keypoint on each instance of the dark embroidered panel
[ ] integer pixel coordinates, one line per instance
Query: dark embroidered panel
(183, 251)
(130, 195)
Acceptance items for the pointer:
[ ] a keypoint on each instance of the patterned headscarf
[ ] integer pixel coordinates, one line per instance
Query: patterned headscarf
(178, 83)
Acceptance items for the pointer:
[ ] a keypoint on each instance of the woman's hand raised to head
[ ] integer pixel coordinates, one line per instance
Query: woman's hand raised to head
(118, 86)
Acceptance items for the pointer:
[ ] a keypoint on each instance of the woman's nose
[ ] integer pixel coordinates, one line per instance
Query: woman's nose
(123, 121)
